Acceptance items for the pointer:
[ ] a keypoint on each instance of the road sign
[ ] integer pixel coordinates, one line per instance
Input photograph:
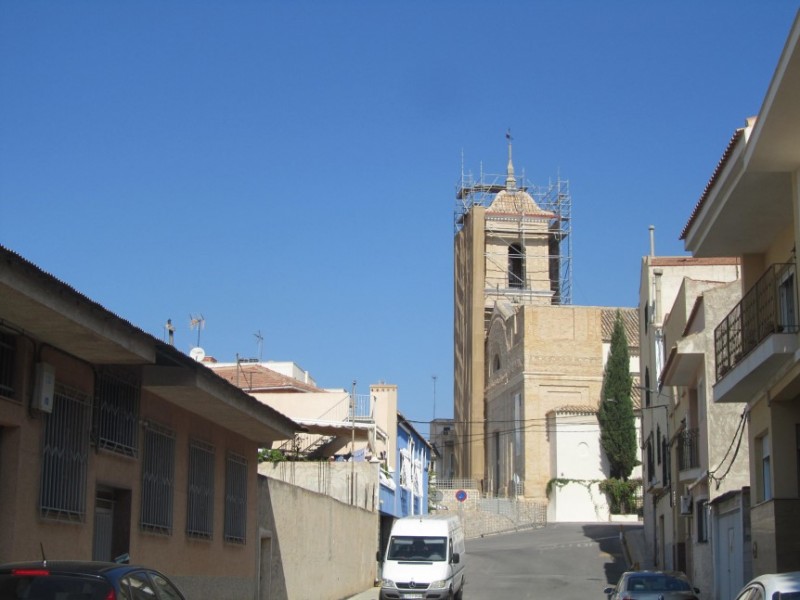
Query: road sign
(461, 495)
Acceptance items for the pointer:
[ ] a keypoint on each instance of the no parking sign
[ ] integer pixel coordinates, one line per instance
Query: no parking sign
(461, 495)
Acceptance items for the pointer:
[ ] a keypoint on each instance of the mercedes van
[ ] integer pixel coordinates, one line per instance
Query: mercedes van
(424, 559)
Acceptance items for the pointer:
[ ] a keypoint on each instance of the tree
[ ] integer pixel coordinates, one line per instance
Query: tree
(617, 425)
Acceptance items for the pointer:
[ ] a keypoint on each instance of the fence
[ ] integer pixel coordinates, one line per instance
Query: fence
(483, 513)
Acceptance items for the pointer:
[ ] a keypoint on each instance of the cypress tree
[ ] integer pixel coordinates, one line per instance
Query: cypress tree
(617, 425)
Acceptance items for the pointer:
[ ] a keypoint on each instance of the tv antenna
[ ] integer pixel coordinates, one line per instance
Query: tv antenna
(199, 322)
(260, 342)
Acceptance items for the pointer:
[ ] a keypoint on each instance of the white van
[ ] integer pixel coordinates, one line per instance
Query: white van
(424, 559)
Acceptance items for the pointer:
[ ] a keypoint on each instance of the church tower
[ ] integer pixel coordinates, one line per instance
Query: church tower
(511, 244)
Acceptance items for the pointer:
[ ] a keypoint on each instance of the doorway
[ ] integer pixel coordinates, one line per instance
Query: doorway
(112, 524)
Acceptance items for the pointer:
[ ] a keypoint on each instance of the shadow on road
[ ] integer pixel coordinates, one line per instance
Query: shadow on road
(609, 541)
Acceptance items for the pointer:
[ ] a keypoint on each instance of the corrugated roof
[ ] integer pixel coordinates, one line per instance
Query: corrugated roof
(630, 320)
(575, 409)
(737, 135)
(680, 261)
(256, 377)
(515, 203)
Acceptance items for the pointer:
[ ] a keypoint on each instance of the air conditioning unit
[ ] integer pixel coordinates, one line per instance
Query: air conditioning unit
(686, 505)
(44, 387)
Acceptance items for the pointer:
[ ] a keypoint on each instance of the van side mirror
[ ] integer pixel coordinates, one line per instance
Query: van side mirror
(378, 556)
(456, 558)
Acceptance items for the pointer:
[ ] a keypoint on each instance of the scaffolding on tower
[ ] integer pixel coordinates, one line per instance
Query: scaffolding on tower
(554, 198)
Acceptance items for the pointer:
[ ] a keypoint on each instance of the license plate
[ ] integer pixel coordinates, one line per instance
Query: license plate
(413, 595)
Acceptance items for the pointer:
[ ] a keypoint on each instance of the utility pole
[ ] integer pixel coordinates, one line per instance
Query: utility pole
(430, 429)
(353, 444)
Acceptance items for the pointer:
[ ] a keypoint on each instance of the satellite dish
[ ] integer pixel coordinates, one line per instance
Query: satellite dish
(437, 495)
(197, 353)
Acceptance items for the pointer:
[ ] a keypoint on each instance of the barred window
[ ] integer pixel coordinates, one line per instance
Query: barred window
(8, 348)
(158, 479)
(65, 453)
(235, 498)
(117, 411)
(200, 502)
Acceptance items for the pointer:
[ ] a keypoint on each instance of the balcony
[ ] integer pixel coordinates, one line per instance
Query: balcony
(687, 445)
(757, 336)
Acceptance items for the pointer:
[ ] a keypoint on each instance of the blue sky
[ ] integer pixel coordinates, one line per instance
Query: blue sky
(290, 167)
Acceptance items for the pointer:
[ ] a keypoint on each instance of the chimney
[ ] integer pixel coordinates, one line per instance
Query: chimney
(652, 240)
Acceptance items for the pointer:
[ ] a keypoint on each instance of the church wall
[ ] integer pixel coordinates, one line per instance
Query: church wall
(468, 392)
(563, 366)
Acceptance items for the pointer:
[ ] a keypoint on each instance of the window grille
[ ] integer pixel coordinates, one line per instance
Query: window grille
(65, 453)
(200, 508)
(8, 349)
(117, 411)
(158, 479)
(235, 499)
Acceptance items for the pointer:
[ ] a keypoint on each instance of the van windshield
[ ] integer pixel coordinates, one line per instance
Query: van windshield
(417, 548)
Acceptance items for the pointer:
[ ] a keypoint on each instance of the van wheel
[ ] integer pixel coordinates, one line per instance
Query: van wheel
(460, 593)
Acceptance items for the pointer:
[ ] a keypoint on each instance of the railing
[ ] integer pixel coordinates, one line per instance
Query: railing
(456, 484)
(770, 306)
(688, 449)
(362, 405)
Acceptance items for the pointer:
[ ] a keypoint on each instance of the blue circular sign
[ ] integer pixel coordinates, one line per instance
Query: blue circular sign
(461, 495)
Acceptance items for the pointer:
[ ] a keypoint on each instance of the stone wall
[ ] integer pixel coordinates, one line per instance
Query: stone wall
(313, 546)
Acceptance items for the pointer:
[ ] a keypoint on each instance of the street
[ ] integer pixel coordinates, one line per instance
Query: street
(562, 560)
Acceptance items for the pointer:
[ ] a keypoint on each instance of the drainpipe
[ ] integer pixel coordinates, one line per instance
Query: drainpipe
(658, 273)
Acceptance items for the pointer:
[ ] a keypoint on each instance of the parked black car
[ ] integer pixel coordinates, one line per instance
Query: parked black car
(77, 580)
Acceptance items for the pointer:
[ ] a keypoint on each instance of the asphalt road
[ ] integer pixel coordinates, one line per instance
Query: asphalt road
(561, 560)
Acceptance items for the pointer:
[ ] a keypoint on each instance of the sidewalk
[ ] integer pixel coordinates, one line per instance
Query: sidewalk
(370, 594)
(634, 548)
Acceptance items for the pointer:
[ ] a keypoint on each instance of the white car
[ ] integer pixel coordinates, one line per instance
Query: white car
(774, 586)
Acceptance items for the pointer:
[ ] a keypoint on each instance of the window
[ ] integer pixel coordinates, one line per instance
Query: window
(700, 507)
(200, 501)
(235, 499)
(518, 425)
(65, 454)
(786, 301)
(158, 479)
(797, 454)
(647, 386)
(117, 411)
(766, 468)
(8, 348)
(651, 469)
(658, 444)
(516, 266)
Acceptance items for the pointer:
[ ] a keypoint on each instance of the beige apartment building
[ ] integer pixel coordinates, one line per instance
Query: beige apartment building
(520, 349)
(114, 443)
(751, 210)
(689, 464)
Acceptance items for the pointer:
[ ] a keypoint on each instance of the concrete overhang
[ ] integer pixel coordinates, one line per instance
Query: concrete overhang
(685, 360)
(750, 197)
(750, 376)
(773, 145)
(742, 215)
(214, 399)
(34, 303)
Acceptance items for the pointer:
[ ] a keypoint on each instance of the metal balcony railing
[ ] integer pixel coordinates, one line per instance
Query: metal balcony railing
(770, 306)
(688, 449)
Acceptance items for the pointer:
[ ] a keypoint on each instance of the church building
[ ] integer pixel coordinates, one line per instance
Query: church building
(523, 354)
